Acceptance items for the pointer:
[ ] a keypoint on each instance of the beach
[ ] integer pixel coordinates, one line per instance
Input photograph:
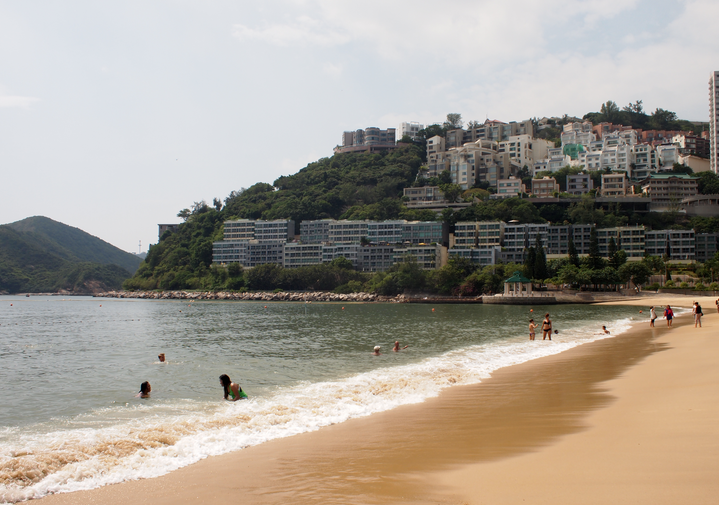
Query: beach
(621, 420)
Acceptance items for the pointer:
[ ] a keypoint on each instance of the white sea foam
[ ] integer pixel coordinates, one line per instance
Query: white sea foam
(36, 464)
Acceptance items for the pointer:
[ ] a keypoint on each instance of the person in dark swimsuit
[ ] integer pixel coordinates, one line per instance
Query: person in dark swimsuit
(232, 390)
(546, 327)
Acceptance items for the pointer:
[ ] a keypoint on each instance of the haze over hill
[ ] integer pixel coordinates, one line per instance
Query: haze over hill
(38, 254)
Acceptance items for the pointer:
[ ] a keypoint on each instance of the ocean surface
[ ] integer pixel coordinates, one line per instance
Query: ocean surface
(70, 369)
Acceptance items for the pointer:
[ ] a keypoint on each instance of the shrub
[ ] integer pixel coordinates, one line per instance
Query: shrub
(700, 287)
(670, 284)
(714, 286)
(684, 285)
(654, 286)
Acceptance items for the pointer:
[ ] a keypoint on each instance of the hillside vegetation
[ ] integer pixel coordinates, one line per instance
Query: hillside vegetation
(42, 255)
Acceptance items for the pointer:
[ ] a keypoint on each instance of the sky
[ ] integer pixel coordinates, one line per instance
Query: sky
(114, 116)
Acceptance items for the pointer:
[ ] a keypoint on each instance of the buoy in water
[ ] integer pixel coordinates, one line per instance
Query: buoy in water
(531, 310)
(640, 311)
(265, 306)
(433, 310)
(343, 308)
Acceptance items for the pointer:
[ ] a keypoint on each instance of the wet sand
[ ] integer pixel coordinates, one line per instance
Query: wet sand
(585, 426)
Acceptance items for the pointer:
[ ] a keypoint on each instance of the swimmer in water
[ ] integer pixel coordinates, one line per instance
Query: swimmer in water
(161, 357)
(145, 389)
(376, 351)
(532, 329)
(234, 391)
(396, 347)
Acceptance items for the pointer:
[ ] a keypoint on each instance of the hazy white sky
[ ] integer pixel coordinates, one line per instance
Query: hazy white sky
(116, 115)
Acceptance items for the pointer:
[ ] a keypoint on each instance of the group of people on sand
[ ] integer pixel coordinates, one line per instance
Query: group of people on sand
(396, 348)
(546, 328)
(669, 315)
(233, 391)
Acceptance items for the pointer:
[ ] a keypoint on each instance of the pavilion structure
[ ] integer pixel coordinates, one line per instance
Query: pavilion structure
(518, 285)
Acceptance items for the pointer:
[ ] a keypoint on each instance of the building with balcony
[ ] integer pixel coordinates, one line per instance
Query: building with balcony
(370, 139)
(676, 244)
(507, 188)
(348, 232)
(424, 232)
(471, 234)
(280, 230)
(240, 229)
(410, 129)
(616, 185)
(546, 187)
(579, 184)
(668, 190)
(705, 246)
(315, 231)
(630, 239)
(423, 197)
(385, 232)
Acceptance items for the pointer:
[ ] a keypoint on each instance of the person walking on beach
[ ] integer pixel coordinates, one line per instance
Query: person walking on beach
(697, 314)
(232, 389)
(652, 316)
(396, 347)
(547, 327)
(532, 328)
(669, 315)
(717, 304)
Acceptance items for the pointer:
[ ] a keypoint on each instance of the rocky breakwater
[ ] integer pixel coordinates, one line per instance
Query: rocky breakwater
(313, 296)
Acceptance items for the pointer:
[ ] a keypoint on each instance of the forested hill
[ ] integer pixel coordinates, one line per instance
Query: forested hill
(41, 255)
(345, 186)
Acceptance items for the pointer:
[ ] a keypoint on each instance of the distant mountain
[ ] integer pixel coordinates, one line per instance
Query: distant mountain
(41, 255)
(73, 244)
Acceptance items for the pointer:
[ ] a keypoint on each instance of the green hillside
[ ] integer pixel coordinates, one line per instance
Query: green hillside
(73, 244)
(38, 257)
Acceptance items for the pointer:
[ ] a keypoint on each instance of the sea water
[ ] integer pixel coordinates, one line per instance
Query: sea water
(70, 369)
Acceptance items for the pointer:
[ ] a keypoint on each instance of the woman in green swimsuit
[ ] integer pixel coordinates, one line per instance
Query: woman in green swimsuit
(234, 391)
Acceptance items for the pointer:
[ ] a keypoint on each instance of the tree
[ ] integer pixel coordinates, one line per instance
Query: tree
(529, 263)
(217, 204)
(594, 260)
(610, 112)
(636, 107)
(453, 122)
(451, 192)
(540, 259)
(636, 272)
(573, 254)
(406, 139)
(184, 214)
(663, 120)
(612, 247)
(473, 124)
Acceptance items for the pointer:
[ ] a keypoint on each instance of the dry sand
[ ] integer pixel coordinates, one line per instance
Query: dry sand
(623, 420)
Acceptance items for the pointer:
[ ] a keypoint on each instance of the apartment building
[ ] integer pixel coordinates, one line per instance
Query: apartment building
(628, 238)
(478, 161)
(410, 129)
(523, 150)
(692, 145)
(375, 258)
(248, 253)
(507, 188)
(546, 187)
(558, 239)
(581, 236)
(315, 231)
(603, 129)
(579, 184)
(280, 230)
(705, 246)
(616, 185)
(428, 257)
(677, 244)
(240, 229)
(370, 139)
(385, 232)
(714, 121)
(481, 234)
(300, 255)
(668, 190)
(482, 257)
(424, 232)
(348, 232)
(645, 161)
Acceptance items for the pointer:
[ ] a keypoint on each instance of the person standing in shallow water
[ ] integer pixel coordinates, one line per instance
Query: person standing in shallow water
(532, 329)
(669, 315)
(547, 327)
(396, 347)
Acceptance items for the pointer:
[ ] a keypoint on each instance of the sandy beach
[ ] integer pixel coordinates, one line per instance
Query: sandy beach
(621, 420)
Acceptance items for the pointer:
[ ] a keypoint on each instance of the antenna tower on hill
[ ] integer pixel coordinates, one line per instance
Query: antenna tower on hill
(139, 248)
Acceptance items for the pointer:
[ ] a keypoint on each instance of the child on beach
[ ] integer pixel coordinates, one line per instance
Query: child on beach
(669, 315)
(652, 316)
(532, 328)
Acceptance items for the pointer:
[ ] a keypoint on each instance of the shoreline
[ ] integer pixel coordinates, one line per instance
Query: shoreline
(507, 416)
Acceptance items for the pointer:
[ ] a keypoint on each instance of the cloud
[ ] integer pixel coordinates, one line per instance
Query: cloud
(303, 31)
(332, 70)
(23, 102)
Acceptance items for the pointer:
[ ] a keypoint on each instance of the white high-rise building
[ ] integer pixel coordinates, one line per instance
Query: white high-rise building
(410, 128)
(714, 121)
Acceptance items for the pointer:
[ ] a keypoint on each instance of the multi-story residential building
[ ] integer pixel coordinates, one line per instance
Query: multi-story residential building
(348, 232)
(676, 244)
(577, 137)
(507, 188)
(537, 229)
(558, 239)
(410, 129)
(582, 236)
(375, 258)
(714, 121)
(370, 139)
(603, 129)
(280, 230)
(482, 257)
(701, 205)
(668, 190)
(546, 187)
(692, 145)
(478, 161)
(523, 150)
(437, 162)
(349, 251)
(617, 157)
(300, 255)
(424, 232)
(628, 238)
(667, 155)
(579, 184)
(248, 253)
(515, 242)
(478, 234)
(705, 246)
(616, 185)
(427, 256)
(385, 232)
(315, 231)
(240, 229)
(227, 251)
(645, 161)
